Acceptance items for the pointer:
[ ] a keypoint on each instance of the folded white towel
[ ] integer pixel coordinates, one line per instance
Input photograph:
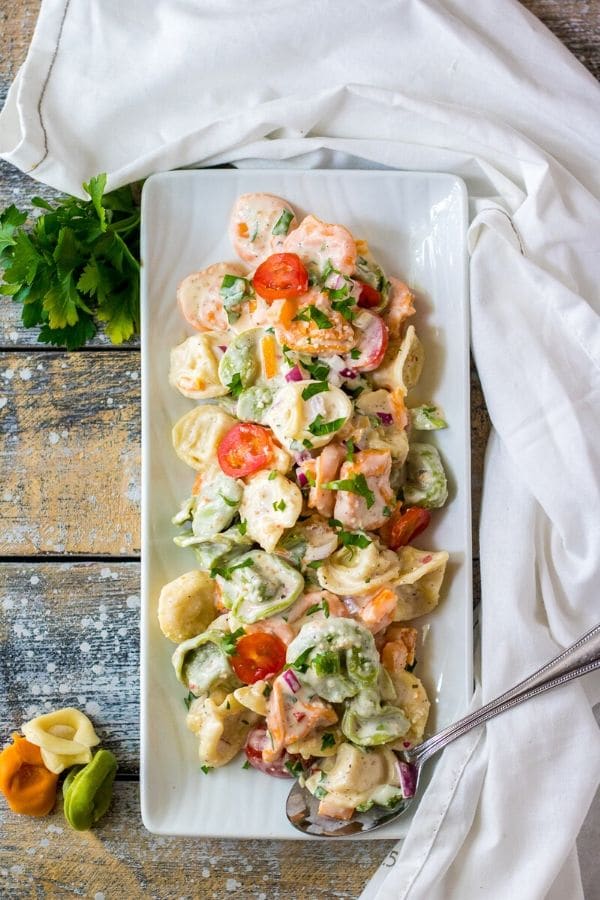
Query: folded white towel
(484, 91)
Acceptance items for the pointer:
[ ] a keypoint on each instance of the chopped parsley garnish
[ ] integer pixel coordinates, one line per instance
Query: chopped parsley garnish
(246, 764)
(272, 475)
(320, 427)
(350, 451)
(228, 500)
(233, 291)
(267, 690)
(335, 523)
(228, 641)
(235, 386)
(188, 700)
(312, 314)
(308, 444)
(315, 564)
(328, 740)
(355, 485)
(318, 607)
(312, 389)
(279, 506)
(318, 370)
(206, 769)
(355, 353)
(320, 792)
(310, 478)
(411, 667)
(354, 539)
(386, 511)
(294, 767)
(282, 225)
(226, 571)
(344, 307)
(242, 527)
(301, 662)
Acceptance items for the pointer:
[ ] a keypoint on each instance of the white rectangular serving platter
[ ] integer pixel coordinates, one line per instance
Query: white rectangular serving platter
(416, 225)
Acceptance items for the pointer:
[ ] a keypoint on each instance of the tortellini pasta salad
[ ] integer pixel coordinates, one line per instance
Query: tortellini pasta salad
(296, 614)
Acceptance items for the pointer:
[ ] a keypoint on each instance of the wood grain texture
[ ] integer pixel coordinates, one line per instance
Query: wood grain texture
(70, 637)
(119, 860)
(70, 452)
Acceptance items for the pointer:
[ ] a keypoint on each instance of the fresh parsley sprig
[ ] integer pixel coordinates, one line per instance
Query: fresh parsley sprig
(78, 265)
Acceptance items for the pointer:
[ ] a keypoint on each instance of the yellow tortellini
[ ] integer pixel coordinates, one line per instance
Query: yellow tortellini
(197, 435)
(194, 366)
(402, 366)
(254, 696)
(412, 699)
(271, 503)
(186, 606)
(354, 571)
(355, 777)
(65, 738)
(222, 724)
(421, 576)
(299, 422)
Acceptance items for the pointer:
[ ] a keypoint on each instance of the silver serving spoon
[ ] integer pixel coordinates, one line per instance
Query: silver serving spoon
(302, 807)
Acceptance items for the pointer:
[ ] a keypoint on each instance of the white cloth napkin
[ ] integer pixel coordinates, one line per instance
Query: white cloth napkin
(484, 91)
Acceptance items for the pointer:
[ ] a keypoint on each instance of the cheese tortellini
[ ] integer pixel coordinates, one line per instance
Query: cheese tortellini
(356, 571)
(411, 697)
(312, 422)
(194, 366)
(354, 778)
(186, 606)
(420, 579)
(402, 365)
(65, 738)
(197, 435)
(271, 503)
(222, 724)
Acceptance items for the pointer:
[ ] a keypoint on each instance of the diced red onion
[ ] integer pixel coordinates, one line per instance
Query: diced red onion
(348, 373)
(302, 479)
(222, 348)
(294, 374)
(350, 605)
(408, 778)
(385, 418)
(291, 681)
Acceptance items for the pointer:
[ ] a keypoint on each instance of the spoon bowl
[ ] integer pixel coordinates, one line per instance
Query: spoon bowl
(303, 809)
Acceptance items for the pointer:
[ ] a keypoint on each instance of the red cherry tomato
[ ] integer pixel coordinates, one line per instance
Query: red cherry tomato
(369, 298)
(257, 656)
(245, 449)
(402, 527)
(256, 742)
(372, 341)
(280, 277)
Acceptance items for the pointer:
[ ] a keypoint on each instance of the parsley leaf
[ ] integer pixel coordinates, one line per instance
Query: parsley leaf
(246, 764)
(354, 539)
(279, 505)
(355, 353)
(188, 700)
(226, 571)
(228, 500)
(282, 225)
(228, 641)
(79, 263)
(242, 526)
(318, 371)
(319, 427)
(312, 389)
(272, 475)
(355, 485)
(235, 386)
(350, 451)
(301, 662)
(294, 767)
(312, 314)
(234, 290)
(206, 769)
(328, 740)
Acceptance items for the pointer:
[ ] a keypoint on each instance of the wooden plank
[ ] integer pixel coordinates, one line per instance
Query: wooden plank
(70, 452)
(69, 636)
(120, 859)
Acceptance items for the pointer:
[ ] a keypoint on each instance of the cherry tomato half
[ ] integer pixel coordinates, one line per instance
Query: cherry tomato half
(369, 298)
(256, 742)
(372, 342)
(257, 656)
(245, 449)
(402, 527)
(280, 277)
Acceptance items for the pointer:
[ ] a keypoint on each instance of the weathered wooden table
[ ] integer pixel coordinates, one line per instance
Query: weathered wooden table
(70, 544)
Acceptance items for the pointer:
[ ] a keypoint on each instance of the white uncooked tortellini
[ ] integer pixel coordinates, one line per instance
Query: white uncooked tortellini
(419, 582)
(197, 435)
(271, 503)
(194, 366)
(300, 418)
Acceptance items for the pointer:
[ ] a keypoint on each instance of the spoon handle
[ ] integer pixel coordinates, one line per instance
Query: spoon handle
(579, 659)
